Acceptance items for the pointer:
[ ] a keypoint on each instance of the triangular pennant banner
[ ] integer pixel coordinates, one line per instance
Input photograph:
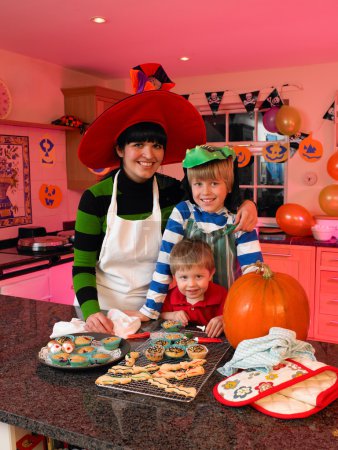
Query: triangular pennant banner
(295, 140)
(186, 96)
(329, 115)
(214, 99)
(249, 100)
(273, 99)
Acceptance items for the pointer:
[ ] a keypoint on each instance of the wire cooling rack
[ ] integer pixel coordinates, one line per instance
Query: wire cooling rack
(215, 354)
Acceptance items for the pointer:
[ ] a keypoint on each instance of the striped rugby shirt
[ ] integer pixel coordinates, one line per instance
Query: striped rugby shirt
(247, 250)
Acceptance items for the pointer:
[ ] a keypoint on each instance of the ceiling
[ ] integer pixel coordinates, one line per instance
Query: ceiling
(218, 36)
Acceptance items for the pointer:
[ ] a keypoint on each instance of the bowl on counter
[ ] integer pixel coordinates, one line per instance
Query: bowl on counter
(330, 222)
(322, 232)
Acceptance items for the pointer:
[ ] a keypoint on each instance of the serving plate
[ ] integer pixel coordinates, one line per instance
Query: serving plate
(116, 355)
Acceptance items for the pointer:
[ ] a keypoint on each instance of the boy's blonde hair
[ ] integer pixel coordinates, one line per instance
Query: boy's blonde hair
(214, 170)
(189, 253)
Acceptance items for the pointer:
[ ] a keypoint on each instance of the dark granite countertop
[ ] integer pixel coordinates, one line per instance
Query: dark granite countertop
(282, 238)
(68, 406)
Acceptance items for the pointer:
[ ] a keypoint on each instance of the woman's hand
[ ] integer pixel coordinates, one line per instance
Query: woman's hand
(214, 327)
(246, 217)
(178, 316)
(99, 323)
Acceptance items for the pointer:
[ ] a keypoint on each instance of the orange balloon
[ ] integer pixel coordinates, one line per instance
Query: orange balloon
(328, 199)
(332, 166)
(288, 120)
(294, 219)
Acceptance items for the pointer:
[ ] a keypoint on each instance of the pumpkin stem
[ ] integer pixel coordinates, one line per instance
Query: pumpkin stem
(263, 268)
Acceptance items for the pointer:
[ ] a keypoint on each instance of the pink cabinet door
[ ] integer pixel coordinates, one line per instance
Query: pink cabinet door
(298, 261)
(61, 284)
(32, 285)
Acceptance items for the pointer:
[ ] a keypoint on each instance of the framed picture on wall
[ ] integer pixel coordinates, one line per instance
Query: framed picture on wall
(15, 192)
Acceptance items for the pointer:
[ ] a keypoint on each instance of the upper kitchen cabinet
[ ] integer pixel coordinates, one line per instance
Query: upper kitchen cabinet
(86, 104)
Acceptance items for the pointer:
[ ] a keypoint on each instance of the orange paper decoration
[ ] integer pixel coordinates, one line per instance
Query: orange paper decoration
(310, 149)
(50, 195)
(275, 152)
(243, 155)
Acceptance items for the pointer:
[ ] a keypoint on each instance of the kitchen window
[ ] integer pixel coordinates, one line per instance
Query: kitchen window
(261, 181)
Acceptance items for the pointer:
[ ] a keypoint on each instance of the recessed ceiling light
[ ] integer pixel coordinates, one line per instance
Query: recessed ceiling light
(98, 19)
(184, 58)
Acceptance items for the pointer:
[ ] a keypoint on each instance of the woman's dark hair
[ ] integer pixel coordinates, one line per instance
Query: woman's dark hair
(143, 132)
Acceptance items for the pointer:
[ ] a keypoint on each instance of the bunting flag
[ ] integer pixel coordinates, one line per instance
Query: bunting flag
(186, 96)
(214, 100)
(249, 100)
(273, 99)
(329, 115)
(295, 140)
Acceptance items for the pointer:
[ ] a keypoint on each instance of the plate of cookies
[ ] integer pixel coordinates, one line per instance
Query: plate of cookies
(83, 351)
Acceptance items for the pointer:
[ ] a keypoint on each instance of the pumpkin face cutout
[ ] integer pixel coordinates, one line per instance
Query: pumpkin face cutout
(50, 196)
(275, 153)
(243, 156)
(310, 149)
(47, 151)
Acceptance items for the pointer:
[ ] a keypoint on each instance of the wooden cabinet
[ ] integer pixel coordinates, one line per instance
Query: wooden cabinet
(86, 104)
(298, 261)
(326, 307)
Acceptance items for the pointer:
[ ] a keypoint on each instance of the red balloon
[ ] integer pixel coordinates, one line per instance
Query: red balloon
(332, 166)
(294, 219)
(328, 199)
(269, 119)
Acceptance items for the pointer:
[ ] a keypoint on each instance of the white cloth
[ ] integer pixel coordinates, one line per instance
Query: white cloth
(267, 351)
(123, 325)
(128, 256)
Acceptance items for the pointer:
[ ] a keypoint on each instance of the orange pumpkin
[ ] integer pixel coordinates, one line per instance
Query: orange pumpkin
(261, 300)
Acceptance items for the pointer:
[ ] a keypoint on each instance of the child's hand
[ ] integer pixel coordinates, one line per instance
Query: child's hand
(180, 316)
(215, 327)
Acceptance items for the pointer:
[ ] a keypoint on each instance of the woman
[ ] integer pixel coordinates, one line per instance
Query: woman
(120, 219)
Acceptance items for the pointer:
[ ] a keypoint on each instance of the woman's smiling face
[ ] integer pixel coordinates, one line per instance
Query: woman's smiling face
(141, 159)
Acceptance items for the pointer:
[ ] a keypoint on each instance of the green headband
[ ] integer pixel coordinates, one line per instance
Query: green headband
(203, 154)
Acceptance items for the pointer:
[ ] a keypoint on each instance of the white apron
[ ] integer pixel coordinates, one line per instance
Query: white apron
(128, 256)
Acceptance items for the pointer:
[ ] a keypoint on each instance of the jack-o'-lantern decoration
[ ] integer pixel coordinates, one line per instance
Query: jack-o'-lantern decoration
(243, 156)
(47, 151)
(50, 195)
(275, 152)
(310, 149)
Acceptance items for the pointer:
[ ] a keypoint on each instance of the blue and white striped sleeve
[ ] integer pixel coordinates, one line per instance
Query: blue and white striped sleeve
(248, 250)
(162, 277)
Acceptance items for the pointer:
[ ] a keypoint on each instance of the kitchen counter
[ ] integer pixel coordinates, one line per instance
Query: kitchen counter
(282, 238)
(69, 406)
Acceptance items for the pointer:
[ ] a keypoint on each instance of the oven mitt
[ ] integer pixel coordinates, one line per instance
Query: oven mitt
(294, 388)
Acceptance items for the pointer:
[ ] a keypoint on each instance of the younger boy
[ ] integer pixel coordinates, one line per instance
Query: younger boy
(196, 298)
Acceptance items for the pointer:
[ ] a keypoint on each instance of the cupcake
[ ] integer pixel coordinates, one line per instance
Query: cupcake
(86, 351)
(174, 351)
(68, 346)
(62, 339)
(76, 360)
(197, 351)
(100, 358)
(81, 341)
(171, 325)
(172, 337)
(111, 342)
(154, 353)
(185, 342)
(60, 359)
(162, 342)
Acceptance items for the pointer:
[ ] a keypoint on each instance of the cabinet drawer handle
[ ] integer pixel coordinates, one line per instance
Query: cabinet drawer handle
(333, 301)
(333, 322)
(277, 254)
(333, 279)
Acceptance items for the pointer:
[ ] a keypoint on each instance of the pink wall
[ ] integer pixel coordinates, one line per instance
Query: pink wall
(35, 88)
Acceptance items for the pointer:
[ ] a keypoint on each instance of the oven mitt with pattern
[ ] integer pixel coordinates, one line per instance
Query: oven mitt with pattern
(294, 388)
